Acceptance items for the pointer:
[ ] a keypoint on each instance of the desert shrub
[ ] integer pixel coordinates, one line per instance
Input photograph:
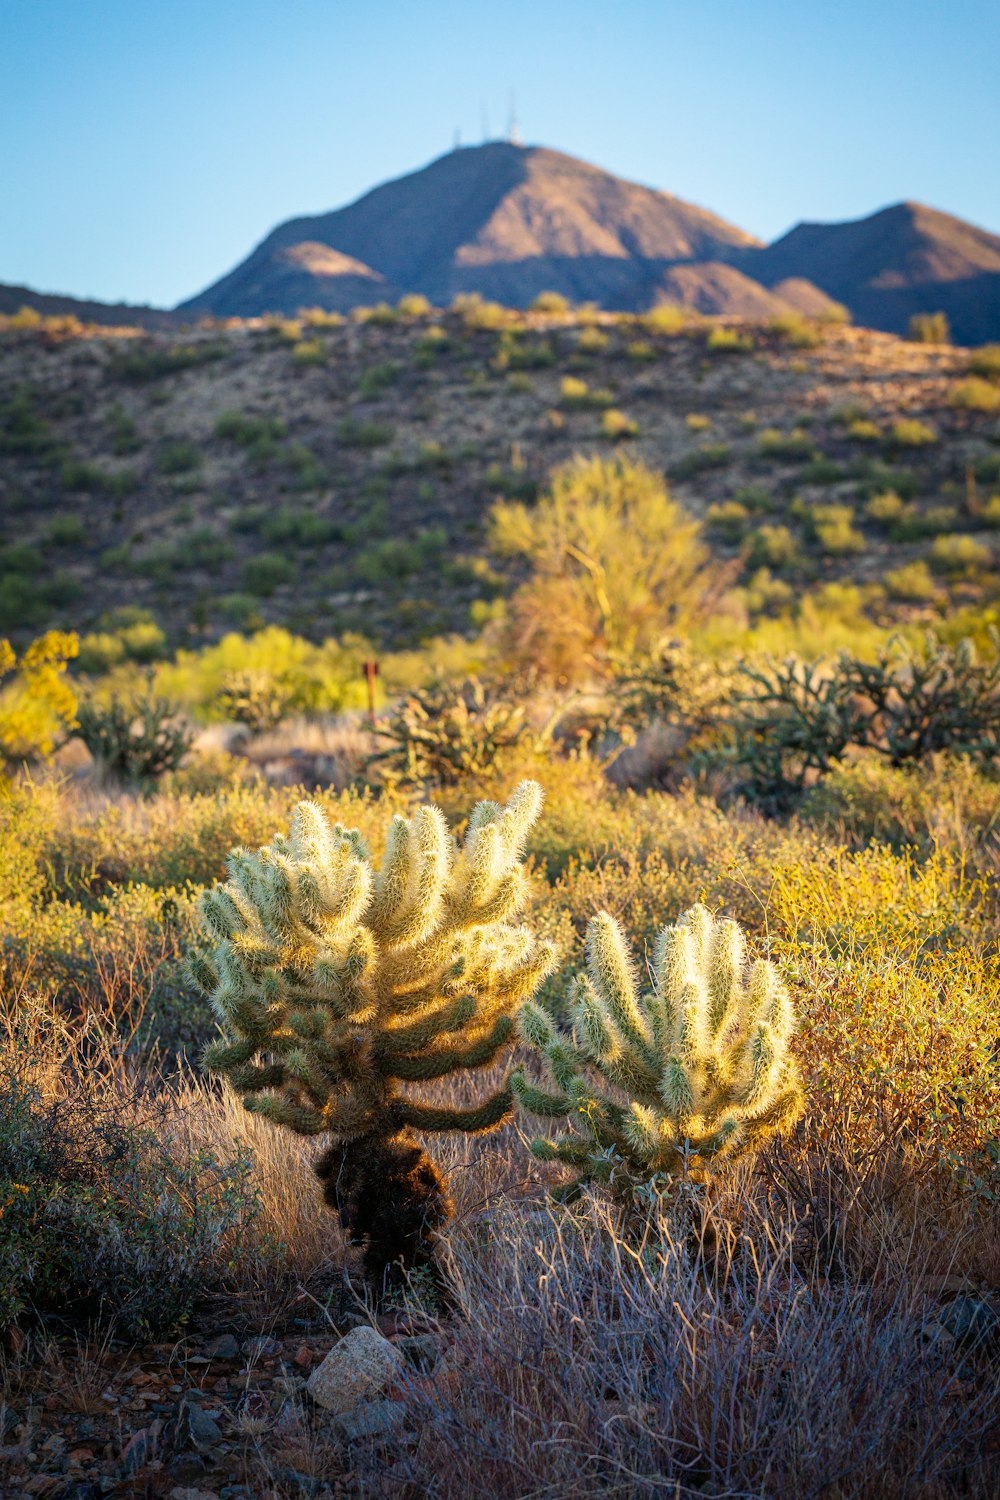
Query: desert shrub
(834, 529)
(702, 1060)
(104, 1213)
(376, 379)
(22, 429)
(699, 460)
(256, 699)
(145, 361)
(772, 546)
(550, 302)
(929, 328)
(324, 677)
(249, 432)
(125, 634)
(911, 584)
(306, 352)
(477, 314)
(67, 530)
(671, 685)
(336, 983)
(354, 434)
(38, 704)
(728, 519)
(667, 319)
(134, 738)
(798, 719)
(959, 556)
(321, 317)
(974, 394)
(380, 316)
(985, 361)
(773, 443)
(616, 426)
(640, 351)
(767, 595)
(697, 422)
(886, 508)
(822, 470)
(863, 430)
(266, 572)
(302, 528)
(991, 513)
(793, 329)
(609, 551)
(577, 395)
(907, 432)
(945, 801)
(515, 352)
(414, 305)
(591, 341)
(728, 341)
(178, 457)
(441, 735)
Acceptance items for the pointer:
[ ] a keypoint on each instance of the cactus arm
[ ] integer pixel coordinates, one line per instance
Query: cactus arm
(493, 1111)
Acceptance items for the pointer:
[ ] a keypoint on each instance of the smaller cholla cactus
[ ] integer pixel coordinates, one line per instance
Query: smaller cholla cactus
(337, 982)
(699, 1067)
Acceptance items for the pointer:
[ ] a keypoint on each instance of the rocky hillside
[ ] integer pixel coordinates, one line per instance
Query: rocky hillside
(340, 478)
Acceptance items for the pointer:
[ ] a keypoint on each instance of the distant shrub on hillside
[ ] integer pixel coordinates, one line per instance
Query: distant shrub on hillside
(728, 341)
(550, 302)
(974, 394)
(986, 362)
(929, 328)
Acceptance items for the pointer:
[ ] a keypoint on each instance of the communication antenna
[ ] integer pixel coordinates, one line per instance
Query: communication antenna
(513, 129)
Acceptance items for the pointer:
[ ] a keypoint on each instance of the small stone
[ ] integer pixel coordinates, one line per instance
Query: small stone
(970, 1321)
(422, 1350)
(197, 1427)
(357, 1368)
(261, 1346)
(186, 1467)
(138, 1450)
(371, 1419)
(303, 1357)
(224, 1347)
(304, 1482)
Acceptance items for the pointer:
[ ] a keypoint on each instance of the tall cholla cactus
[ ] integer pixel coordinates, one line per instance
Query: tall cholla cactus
(701, 1063)
(336, 982)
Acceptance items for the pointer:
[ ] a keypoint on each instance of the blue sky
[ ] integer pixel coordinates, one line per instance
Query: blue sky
(147, 145)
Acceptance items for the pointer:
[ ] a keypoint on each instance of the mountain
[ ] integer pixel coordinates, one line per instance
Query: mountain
(903, 260)
(108, 314)
(508, 222)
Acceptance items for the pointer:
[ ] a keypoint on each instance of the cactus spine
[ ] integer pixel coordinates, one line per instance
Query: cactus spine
(699, 1066)
(336, 983)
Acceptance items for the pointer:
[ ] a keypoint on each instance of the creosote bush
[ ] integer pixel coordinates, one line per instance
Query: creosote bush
(336, 983)
(696, 1069)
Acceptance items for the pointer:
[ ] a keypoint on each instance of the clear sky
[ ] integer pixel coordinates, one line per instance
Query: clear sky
(147, 145)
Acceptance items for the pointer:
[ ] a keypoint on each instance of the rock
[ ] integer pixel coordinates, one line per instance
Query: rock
(10, 1421)
(261, 1346)
(186, 1467)
(371, 1419)
(421, 1350)
(185, 1492)
(970, 1321)
(357, 1368)
(197, 1427)
(224, 1347)
(139, 1449)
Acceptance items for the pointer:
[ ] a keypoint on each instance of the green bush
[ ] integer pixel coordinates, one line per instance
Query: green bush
(550, 302)
(773, 443)
(772, 546)
(975, 395)
(728, 341)
(354, 434)
(929, 328)
(728, 519)
(985, 361)
(178, 457)
(959, 556)
(145, 361)
(708, 456)
(833, 528)
(266, 572)
(911, 584)
(616, 426)
(376, 379)
(135, 739)
(907, 432)
(104, 1213)
(309, 352)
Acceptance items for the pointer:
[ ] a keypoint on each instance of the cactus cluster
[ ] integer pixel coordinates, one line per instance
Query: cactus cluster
(338, 983)
(669, 1079)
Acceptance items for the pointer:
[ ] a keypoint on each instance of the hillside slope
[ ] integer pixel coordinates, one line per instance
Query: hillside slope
(903, 260)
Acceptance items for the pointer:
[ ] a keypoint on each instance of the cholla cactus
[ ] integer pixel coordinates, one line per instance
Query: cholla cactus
(336, 982)
(701, 1063)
